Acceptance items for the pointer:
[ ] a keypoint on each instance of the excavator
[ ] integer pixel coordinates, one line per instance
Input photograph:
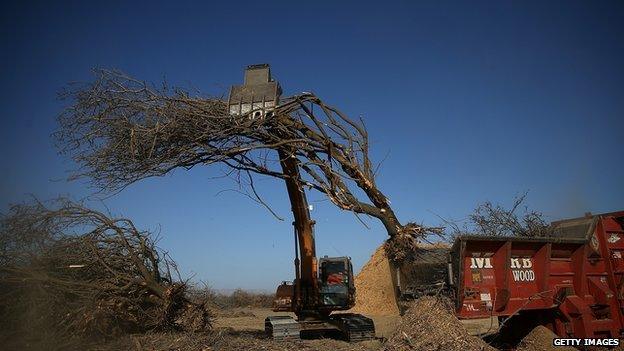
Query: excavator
(323, 285)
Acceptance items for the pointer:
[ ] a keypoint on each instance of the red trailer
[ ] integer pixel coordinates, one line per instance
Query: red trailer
(572, 283)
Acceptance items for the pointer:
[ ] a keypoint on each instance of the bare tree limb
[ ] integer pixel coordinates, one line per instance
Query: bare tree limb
(120, 130)
(84, 273)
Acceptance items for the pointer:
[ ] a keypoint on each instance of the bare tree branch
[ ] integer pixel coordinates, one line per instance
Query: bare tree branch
(83, 273)
(120, 130)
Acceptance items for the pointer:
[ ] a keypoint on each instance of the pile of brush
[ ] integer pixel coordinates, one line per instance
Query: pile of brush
(429, 325)
(72, 272)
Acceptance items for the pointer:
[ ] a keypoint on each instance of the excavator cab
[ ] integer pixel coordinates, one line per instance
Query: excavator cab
(337, 289)
(336, 286)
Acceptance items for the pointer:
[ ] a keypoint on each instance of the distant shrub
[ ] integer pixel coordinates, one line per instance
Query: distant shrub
(238, 298)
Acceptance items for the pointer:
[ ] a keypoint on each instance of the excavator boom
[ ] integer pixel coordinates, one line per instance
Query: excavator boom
(306, 282)
(316, 291)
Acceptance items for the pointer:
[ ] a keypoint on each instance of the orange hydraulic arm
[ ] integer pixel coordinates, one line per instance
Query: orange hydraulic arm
(306, 283)
(255, 98)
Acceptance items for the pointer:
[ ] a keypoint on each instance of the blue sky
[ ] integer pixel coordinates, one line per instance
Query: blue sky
(472, 101)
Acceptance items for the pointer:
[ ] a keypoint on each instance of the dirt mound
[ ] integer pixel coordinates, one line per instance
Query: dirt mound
(429, 324)
(375, 287)
(375, 293)
(541, 339)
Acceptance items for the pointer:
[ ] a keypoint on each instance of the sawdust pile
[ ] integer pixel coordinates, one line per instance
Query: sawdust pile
(375, 293)
(541, 339)
(429, 324)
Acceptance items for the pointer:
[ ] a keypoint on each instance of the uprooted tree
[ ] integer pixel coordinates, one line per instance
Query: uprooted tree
(72, 272)
(121, 130)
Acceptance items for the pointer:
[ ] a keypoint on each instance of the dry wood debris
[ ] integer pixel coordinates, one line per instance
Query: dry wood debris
(71, 272)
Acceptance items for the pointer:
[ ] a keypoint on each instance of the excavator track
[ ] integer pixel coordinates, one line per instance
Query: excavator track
(282, 328)
(354, 327)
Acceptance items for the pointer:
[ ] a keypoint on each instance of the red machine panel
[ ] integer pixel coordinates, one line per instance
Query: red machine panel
(577, 277)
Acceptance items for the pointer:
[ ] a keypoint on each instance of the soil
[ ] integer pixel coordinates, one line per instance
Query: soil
(252, 320)
(229, 340)
(375, 292)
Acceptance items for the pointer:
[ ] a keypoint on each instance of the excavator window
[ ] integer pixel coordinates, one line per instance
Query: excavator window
(334, 273)
(334, 283)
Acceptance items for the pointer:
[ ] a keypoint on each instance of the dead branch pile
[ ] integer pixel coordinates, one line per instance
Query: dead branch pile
(76, 272)
(429, 324)
(121, 130)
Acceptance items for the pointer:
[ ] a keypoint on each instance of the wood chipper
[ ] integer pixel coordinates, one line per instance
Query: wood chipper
(571, 282)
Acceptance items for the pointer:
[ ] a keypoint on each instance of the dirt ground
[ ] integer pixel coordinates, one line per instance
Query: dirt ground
(226, 340)
(252, 320)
